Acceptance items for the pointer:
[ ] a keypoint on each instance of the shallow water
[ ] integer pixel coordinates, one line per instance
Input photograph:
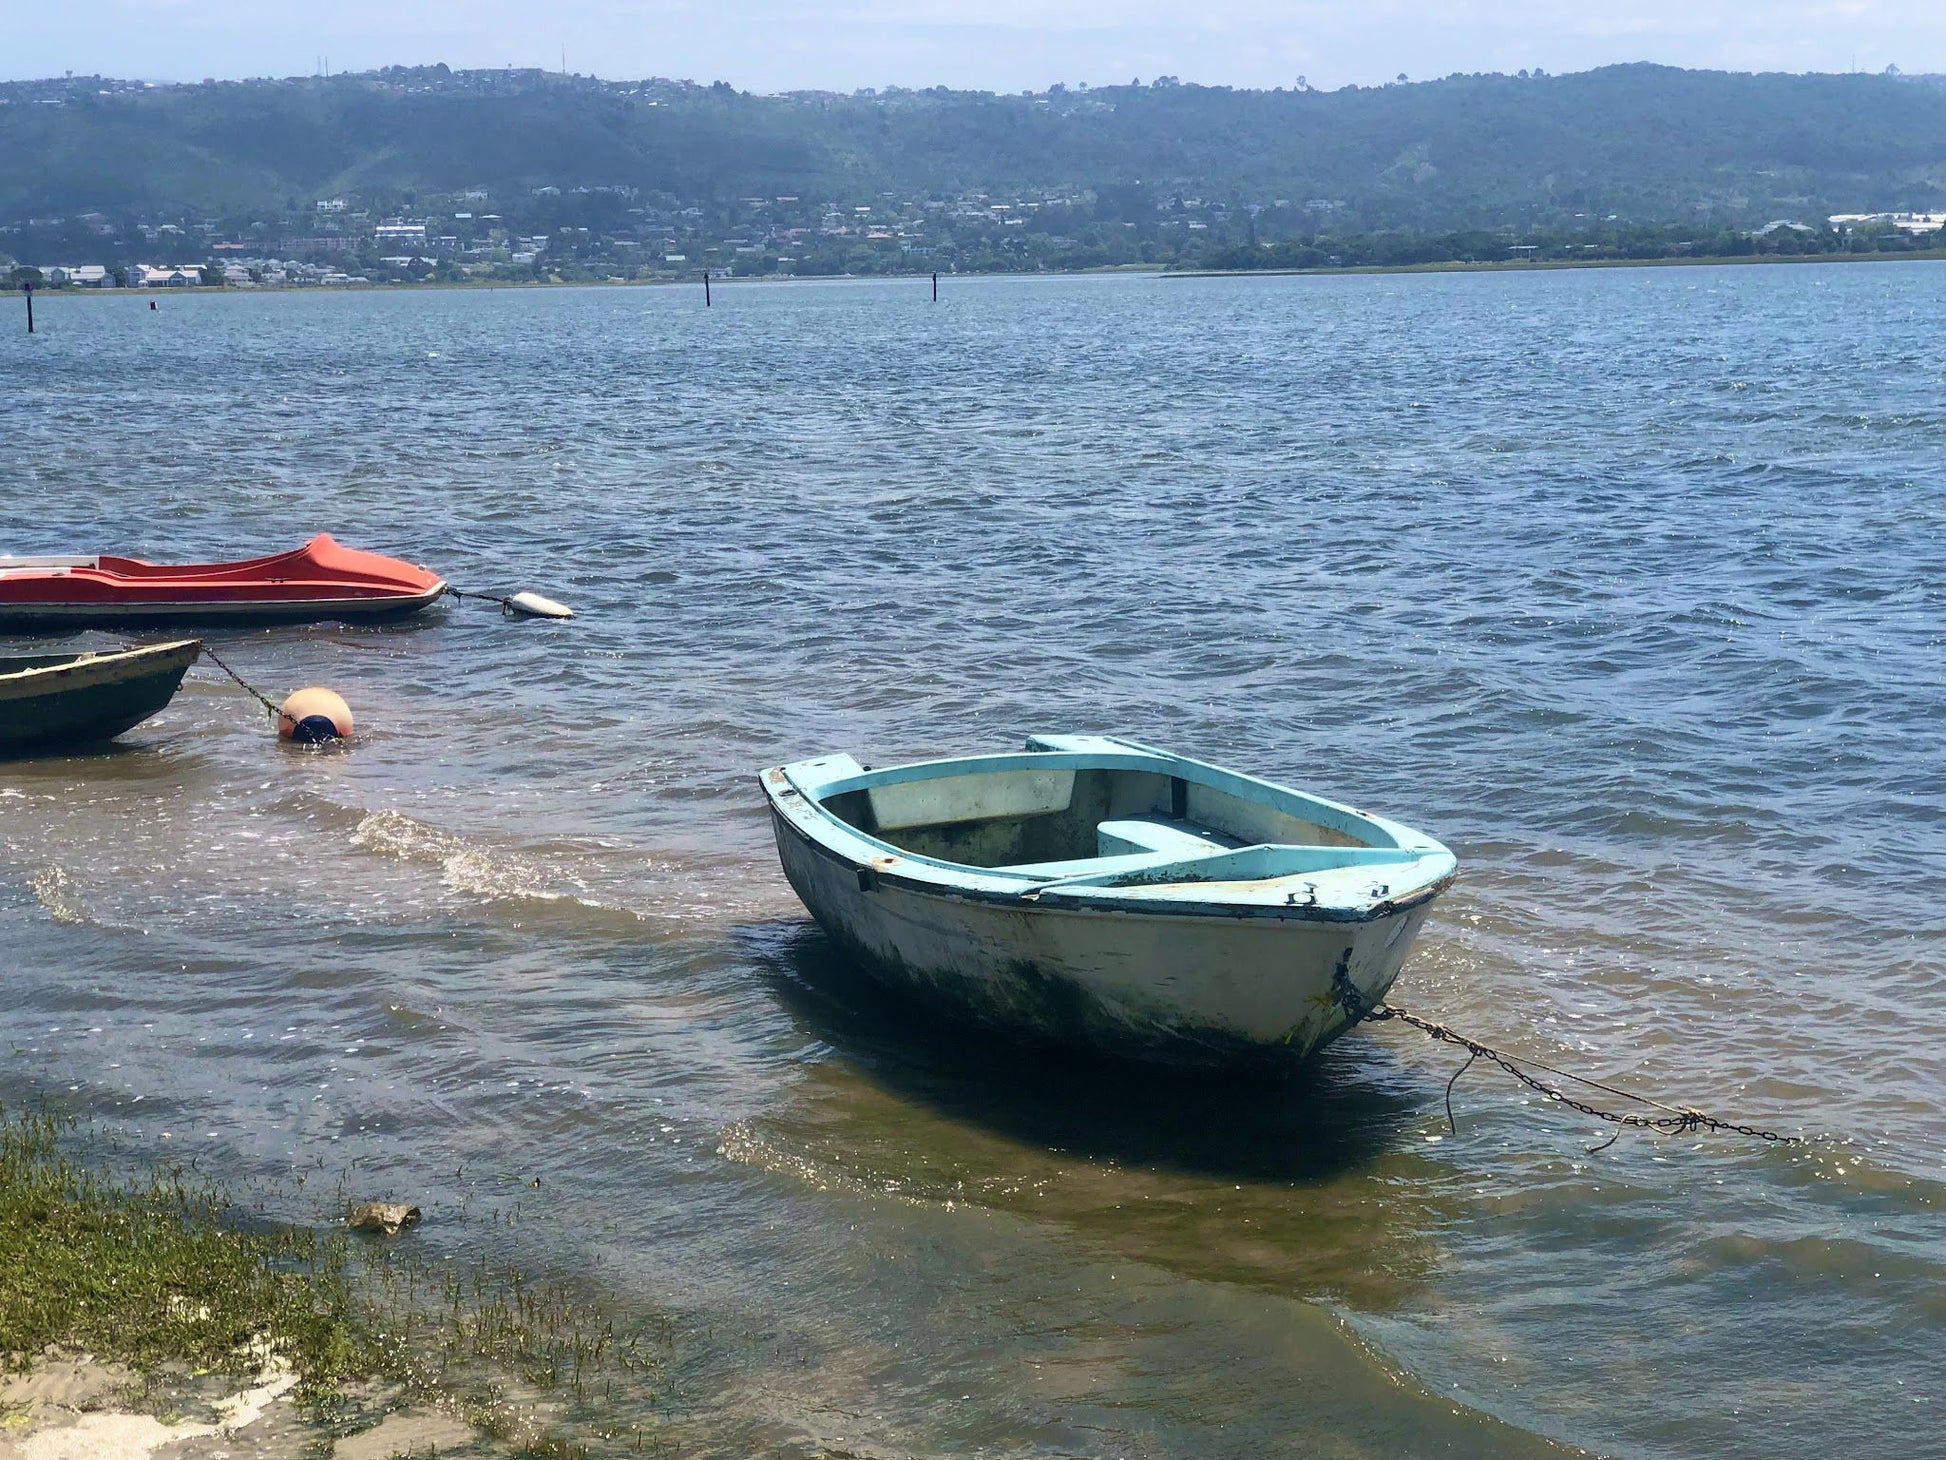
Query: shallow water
(1625, 584)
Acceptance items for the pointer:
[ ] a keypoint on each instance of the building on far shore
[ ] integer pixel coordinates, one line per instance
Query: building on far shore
(85, 276)
(1904, 222)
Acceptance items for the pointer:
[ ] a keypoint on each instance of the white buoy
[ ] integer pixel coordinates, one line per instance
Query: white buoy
(535, 606)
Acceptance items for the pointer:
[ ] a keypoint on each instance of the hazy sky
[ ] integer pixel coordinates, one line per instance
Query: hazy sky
(1009, 45)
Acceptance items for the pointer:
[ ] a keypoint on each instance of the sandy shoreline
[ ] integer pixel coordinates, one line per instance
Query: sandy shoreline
(73, 1406)
(1450, 266)
(1533, 266)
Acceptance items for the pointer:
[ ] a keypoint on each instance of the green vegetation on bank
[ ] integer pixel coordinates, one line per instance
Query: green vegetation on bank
(428, 174)
(146, 1271)
(1648, 142)
(1641, 243)
(163, 1273)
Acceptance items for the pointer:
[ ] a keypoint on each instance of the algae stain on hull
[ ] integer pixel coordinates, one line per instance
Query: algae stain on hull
(1142, 986)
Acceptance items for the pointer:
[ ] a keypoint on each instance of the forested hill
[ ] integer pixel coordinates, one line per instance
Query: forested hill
(1644, 142)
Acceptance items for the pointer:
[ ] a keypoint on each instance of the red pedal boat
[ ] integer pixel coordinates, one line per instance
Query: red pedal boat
(320, 580)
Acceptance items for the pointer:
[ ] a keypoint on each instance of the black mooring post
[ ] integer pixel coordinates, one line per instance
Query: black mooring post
(706, 288)
(935, 288)
(28, 287)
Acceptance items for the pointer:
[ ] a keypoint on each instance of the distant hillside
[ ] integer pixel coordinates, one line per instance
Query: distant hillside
(1646, 142)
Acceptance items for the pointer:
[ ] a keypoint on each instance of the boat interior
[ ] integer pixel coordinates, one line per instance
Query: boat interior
(21, 663)
(1108, 826)
(174, 656)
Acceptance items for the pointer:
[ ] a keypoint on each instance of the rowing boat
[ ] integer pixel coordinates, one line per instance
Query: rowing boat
(321, 580)
(1098, 892)
(58, 701)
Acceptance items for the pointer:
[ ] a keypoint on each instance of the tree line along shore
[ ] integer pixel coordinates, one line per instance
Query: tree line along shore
(428, 174)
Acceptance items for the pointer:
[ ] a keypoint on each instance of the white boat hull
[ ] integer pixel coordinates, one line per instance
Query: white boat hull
(15, 616)
(1196, 989)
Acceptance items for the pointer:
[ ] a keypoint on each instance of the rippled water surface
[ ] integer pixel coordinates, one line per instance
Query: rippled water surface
(1626, 584)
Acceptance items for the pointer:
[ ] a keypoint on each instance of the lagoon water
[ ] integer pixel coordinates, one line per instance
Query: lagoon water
(1626, 584)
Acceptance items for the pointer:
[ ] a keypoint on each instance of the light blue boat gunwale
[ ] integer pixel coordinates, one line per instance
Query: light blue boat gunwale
(1343, 888)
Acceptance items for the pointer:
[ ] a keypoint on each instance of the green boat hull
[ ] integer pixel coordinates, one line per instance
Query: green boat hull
(55, 702)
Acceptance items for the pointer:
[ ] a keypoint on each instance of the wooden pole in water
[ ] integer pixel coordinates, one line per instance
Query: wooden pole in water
(935, 288)
(28, 287)
(706, 288)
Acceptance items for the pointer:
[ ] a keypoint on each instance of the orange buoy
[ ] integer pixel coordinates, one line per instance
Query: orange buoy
(311, 716)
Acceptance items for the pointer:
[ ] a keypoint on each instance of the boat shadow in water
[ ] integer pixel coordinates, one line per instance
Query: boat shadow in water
(1335, 1116)
(94, 754)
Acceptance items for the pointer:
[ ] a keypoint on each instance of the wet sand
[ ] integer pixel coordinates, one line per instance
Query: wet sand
(72, 1406)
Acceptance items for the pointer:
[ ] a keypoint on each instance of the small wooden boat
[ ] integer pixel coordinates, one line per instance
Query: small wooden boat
(321, 580)
(54, 701)
(1099, 892)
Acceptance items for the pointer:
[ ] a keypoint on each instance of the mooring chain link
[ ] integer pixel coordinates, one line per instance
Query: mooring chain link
(506, 607)
(1678, 1119)
(247, 687)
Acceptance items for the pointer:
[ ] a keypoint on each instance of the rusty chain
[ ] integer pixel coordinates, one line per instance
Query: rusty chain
(506, 606)
(248, 688)
(1676, 1120)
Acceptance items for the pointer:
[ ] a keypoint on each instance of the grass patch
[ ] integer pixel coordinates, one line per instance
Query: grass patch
(530, 1364)
(162, 1272)
(148, 1271)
